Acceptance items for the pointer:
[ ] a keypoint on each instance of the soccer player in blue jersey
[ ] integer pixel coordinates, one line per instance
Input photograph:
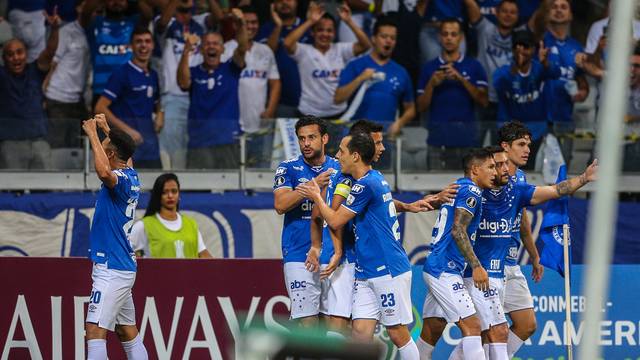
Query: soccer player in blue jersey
(114, 262)
(302, 280)
(452, 240)
(337, 259)
(501, 207)
(383, 273)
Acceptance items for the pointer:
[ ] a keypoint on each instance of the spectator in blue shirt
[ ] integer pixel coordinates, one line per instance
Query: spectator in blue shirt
(176, 20)
(450, 86)
(109, 36)
(520, 86)
(283, 22)
(214, 114)
(23, 123)
(494, 50)
(572, 86)
(390, 85)
(130, 99)
(436, 11)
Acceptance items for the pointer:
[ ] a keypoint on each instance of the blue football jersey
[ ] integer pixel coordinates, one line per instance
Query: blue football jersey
(512, 253)
(115, 209)
(378, 248)
(339, 184)
(499, 211)
(296, 231)
(445, 256)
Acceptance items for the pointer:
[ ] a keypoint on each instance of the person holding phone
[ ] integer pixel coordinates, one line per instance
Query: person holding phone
(449, 88)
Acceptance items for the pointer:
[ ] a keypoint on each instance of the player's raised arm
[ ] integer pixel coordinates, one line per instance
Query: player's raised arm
(461, 221)
(101, 161)
(334, 218)
(566, 187)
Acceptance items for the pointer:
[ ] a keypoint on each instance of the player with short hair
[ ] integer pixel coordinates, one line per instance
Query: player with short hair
(452, 250)
(501, 207)
(337, 259)
(301, 278)
(383, 273)
(114, 262)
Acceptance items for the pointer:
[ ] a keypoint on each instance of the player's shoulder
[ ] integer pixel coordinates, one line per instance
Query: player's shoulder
(289, 164)
(520, 176)
(468, 188)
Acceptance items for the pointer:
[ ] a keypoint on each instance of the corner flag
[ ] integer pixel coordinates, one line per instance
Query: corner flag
(556, 217)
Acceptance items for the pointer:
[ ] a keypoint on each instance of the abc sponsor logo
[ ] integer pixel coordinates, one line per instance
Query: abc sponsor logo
(490, 293)
(298, 285)
(457, 286)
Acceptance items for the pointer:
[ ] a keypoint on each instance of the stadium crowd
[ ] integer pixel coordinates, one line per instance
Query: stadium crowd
(185, 78)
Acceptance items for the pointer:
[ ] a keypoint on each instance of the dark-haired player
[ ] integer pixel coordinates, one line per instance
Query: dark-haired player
(114, 262)
(383, 273)
(301, 277)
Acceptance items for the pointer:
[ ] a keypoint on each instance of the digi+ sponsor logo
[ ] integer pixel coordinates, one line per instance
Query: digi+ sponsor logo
(494, 226)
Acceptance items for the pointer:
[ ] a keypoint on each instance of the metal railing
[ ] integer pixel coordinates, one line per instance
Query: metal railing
(405, 164)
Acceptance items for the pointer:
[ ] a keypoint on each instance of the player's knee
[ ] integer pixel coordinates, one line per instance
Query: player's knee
(432, 330)
(93, 331)
(498, 333)
(525, 329)
(470, 326)
(362, 331)
(126, 333)
(530, 327)
(399, 335)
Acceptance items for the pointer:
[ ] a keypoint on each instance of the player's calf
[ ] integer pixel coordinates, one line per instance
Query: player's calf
(471, 341)
(432, 329)
(131, 342)
(524, 323)
(497, 336)
(363, 329)
(400, 336)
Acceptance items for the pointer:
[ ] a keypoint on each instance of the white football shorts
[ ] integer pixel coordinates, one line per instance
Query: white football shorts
(111, 303)
(337, 291)
(384, 298)
(448, 298)
(517, 295)
(303, 287)
(488, 303)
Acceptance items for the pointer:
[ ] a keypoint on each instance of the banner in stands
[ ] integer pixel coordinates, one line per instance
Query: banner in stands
(193, 309)
(237, 225)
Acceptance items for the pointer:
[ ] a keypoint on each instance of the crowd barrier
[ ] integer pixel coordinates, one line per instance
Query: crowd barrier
(196, 309)
(239, 225)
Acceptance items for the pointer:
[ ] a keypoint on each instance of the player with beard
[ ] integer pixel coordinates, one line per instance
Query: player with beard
(301, 278)
(501, 208)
